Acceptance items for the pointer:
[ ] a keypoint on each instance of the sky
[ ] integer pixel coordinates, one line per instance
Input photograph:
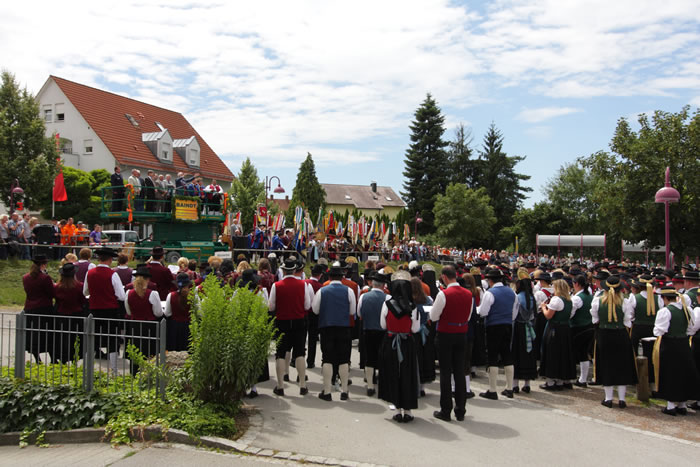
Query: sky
(341, 80)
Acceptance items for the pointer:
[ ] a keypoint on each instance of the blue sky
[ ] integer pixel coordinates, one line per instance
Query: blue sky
(342, 79)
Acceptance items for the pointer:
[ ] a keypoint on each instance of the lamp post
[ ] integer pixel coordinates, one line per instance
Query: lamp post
(667, 195)
(15, 190)
(268, 184)
(418, 221)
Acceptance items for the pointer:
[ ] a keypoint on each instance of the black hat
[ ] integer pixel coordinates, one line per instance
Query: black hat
(300, 264)
(40, 259)
(383, 278)
(692, 276)
(67, 270)
(689, 267)
(601, 275)
(182, 280)
(677, 278)
(493, 274)
(106, 252)
(142, 270)
(336, 271)
(545, 277)
(612, 282)
(318, 269)
(290, 264)
(557, 275)
(530, 265)
(157, 251)
(667, 291)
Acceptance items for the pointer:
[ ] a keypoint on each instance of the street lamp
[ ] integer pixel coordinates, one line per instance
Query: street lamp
(268, 185)
(15, 190)
(667, 195)
(418, 221)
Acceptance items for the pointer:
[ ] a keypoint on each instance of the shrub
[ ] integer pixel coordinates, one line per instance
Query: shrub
(230, 338)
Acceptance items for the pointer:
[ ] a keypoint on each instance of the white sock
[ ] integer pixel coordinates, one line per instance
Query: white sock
(621, 391)
(585, 366)
(550, 382)
(670, 405)
(468, 378)
(301, 371)
(608, 392)
(493, 378)
(287, 361)
(254, 388)
(343, 372)
(510, 371)
(279, 369)
(682, 405)
(452, 379)
(327, 371)
(369, 374)
(407, 412)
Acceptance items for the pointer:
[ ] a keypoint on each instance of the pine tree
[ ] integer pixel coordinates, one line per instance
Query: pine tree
(502, 183)
(247, 191)
(25, 153)
(464, 169)
(427, 171)
(307, 192)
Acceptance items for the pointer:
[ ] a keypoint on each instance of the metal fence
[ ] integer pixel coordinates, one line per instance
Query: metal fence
(82, 351)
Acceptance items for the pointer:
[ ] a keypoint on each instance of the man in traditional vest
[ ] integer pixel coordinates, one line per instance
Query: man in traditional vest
(369, 310)
(106, 300)
(499, 307)
(335, 304)
(451, 311)
(289, 301)
(161, 275)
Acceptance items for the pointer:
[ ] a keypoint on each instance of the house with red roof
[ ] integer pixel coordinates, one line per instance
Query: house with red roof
(100, 130)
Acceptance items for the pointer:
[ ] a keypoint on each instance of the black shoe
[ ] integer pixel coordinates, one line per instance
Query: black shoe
(398, 418)
(548, 387)
(325, 397)
(349, 382)
(473, 374)
(371, 392)
(681, 411)
(489, 395)
(516, 390)
(407, 418)
(252, 394)
(460, 417)
(508, 393)
(279, 392)
(441, 416)
(567, 386)
(667, 411)
(607, 404)
(303, 391)
(695, 406)
(343, 396)
(310, 366)
(422, 393)
(622, 404)
(580, 385)
(286, 378)
(470, 394)
(526, 389)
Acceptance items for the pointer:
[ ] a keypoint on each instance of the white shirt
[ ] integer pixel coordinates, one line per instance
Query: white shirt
(415, 320)
(557, 304)
(541, 297)
(316, 305)
(439, 304)
(488, 299)
(632, 302)
(359, 302)
(308, 295)
(663, 320)
(595, 305)
(116, 284)
(153, 299)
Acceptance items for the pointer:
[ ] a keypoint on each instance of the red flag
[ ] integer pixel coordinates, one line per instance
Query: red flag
(59, 189)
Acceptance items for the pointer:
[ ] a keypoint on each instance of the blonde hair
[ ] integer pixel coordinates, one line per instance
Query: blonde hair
(69, 258)
(617, 297)
(536, 274)
(140, 285)
(561, 289)
(242, 266)
(183, 262)
(214, 262)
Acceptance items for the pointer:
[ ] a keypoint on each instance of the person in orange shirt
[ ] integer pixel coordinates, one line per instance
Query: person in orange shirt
(81, 234)
(67, 233)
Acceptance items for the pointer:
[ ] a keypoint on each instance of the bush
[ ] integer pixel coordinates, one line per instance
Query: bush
(230, 338)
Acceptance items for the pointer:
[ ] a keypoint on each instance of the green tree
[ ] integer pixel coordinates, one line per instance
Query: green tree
(502, 183)
(425, 164)
(464, 168)
(247, 191)
(569, 193)
(543, 218)
(83, 203)
(25, 153)
(464, 217)
(307, 192)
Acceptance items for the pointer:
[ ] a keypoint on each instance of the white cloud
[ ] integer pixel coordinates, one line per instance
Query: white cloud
(544, 113)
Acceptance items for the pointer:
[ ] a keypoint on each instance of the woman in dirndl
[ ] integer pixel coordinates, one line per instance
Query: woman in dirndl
(470, 281)
(582, 330)
(557, 364)
(398, 362)
(39, 291)
(177, 311)
(143, 310)
(614, 358)
(424, 351)
(70, 310)
(677, 376)
(523, 345)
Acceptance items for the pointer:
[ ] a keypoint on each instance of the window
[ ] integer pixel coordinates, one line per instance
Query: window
(131, 237)
(48, 114)
(165, 151)
(194, 157)
(347, 197)
(60, 115)
(132, 120)
(87, 144)
(66, 146)
(387, 198)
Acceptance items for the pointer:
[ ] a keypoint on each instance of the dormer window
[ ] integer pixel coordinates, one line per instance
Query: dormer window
(160, 143)
(347, 197)
(165, 151)
(189, 151)
(194, 157)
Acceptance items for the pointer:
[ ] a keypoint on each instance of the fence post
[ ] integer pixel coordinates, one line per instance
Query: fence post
(20, 339)
(162, 334)
(89, 354)
(643, 392)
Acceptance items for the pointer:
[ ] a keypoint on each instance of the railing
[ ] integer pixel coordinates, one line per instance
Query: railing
(158, 207)
(80, 351)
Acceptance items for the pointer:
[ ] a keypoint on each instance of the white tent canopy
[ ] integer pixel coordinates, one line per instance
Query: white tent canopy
(571, 240)
(641, 247)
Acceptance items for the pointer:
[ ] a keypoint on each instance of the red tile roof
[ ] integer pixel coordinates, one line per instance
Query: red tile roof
(105, 113)
(283, 204)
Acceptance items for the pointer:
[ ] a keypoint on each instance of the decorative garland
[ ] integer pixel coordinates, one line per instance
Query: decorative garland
(129, 201)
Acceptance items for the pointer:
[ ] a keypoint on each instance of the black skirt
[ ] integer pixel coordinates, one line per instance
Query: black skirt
(108, 331)
(678, 374)
(540, 326)
(398, 382)
(39, 336)
(426, 355)
(614, 359)
(142, 334)
(557, 352)
(479, 348)
(178, 335)
(525, 362)
(583, 337)
(373, 341)
(67, 330)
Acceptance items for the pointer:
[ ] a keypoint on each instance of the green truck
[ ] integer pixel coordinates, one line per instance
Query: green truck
(182, 225)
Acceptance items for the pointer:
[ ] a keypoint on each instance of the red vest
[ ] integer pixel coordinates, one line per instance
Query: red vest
(289, 297)
(39, 291)
(101, 290)
(69, 301)
(81, 270)
(396, 325)
(141, 309)
(163, 278)
(458, 306)
(180, 311)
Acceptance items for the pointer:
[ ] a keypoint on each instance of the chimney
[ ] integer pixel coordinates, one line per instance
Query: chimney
(374, 186)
